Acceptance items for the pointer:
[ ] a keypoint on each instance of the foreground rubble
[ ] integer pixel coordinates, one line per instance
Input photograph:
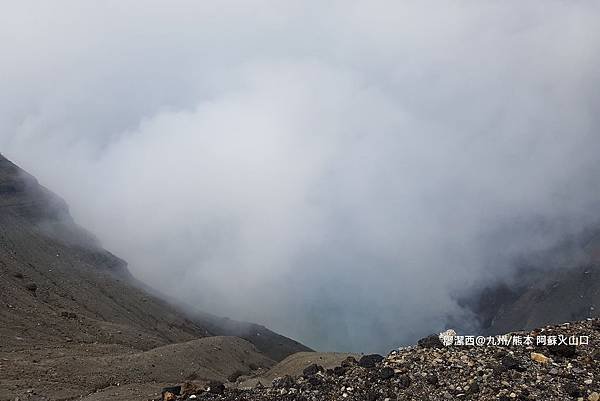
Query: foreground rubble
(536, 365)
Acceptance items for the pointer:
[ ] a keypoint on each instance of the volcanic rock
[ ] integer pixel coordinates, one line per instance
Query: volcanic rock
(174, 389)
(369, 361)
(215, 387)
(448, 373)
(511, 363)
(386, 373)
(286, 381)
(312, 370)
(349, 361)
(567, 351)
(432, 341)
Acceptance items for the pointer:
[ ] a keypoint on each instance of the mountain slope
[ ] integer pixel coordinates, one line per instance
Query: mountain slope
(54, 271)
(79, 374)
(560, 285)
(59, 289)
(553, 297)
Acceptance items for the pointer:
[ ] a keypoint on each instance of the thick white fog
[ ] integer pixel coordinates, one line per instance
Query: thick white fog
(337, 171)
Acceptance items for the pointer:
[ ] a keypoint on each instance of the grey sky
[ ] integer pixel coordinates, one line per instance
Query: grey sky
(335, 171)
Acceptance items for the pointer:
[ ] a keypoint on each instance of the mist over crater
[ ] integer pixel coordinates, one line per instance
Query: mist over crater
(345, 186)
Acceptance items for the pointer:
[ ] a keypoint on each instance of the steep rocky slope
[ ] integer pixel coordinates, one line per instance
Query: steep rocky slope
(559, 285)
(62, 294)
(556, 296)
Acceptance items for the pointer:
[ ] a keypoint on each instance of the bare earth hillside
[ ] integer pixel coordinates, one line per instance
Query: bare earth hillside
(71, 314)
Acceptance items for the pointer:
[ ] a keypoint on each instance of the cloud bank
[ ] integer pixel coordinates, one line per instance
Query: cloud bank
(338, 172)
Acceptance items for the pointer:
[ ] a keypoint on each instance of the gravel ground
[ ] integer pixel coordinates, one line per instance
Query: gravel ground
(434, 371)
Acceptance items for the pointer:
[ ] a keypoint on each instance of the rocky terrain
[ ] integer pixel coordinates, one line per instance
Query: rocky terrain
(74, 324)
(551, 296)
(556, 285)
(73, 321)
(434, 370)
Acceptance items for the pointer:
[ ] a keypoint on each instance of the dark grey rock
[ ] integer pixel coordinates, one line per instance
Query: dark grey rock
(432, 341)
(312, 370)
(369, 361)
(386, 373)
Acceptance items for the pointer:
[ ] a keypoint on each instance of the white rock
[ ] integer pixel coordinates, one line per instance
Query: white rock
(449, 333)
